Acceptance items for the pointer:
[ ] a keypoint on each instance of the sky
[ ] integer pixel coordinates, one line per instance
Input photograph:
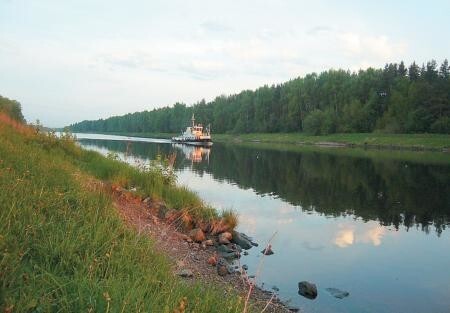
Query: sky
(67, 61)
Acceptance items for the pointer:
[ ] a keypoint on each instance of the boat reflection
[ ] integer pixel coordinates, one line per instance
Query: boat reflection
(196, 154)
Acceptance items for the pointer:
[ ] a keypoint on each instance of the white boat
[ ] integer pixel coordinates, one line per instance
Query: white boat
(195, 135)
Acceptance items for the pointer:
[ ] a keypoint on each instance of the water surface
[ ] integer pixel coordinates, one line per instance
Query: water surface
(373, 223)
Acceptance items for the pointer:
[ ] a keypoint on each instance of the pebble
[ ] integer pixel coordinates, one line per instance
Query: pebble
(185, 273)
(209, 242)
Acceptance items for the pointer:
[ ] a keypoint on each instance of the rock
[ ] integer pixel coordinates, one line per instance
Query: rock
(230, 255)
(234, 247)
(212, 260)
(245, 267)
(275, 288)
(307, 290)
(209, 242)
(224, 249)
(147, 200)
(245, 253)
(197, 235)
(230, 269)
(222, 270)
(224, 238)
(267, 250)
(185, 273)
(293, 309)
(337, 293)
(133, 189)
(254, 244)
(240, 239)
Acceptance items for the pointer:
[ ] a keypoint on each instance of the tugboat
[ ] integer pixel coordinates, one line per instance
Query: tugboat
(195, 135)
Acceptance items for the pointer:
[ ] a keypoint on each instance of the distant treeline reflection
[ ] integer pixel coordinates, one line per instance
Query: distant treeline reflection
(392, 192)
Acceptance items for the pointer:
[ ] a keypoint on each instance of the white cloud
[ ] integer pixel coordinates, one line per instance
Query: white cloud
(370, 47)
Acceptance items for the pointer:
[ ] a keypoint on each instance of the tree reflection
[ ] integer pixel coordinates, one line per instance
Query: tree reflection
(392, 192)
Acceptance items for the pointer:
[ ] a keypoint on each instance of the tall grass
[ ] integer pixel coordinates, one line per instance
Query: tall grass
(65, 249)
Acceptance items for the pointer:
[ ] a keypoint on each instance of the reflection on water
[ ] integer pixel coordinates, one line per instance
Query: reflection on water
(196, 154)
(374, 226)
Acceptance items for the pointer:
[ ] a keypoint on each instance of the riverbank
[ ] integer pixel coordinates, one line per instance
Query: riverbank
(66, 244)
(414, 142)
(368, 140)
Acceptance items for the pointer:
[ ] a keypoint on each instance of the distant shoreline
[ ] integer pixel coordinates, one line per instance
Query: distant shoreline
(411, 142)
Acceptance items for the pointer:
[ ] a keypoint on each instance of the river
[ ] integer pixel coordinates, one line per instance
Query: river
(373, 223)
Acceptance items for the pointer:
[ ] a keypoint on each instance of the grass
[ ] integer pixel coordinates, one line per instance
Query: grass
(424, 157)
(65, 249)
(418, 141)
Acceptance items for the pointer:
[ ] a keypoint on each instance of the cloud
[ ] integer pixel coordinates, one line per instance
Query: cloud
(374, 235)
(378, 47)
(348, 235)
(345, 238)
(217, 27)
(311, 246)
(319, 30)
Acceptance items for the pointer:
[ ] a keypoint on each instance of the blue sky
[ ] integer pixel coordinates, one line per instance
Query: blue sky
(66, 61)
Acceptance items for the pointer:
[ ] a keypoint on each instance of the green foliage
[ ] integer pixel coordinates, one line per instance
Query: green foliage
(63, 247)
(12, 108)
(442, 125)
(313, 122)
(388, 99)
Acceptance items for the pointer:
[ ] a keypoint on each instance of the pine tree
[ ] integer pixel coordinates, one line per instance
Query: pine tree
(444, 70)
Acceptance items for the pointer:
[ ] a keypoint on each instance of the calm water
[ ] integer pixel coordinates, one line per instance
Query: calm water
(374, 224)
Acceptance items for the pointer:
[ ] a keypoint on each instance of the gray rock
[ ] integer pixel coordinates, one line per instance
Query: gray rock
(245, 253)
(337, 293)
(241, 240)
(245, 267)
(234, 247)
(275, 288)
(293, 309)
(307, 289)
(185, 272)
(230, 255)
(224, 249)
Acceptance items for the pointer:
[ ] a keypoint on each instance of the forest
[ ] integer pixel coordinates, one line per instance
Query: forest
(394, 99)
(12, 108)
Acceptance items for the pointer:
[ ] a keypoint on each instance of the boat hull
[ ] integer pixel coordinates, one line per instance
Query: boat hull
(205, 143)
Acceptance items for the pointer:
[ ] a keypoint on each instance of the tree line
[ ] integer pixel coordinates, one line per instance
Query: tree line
(395, 99)
(12, 108)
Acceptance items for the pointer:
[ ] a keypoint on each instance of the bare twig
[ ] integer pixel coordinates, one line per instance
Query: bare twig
(258, 271)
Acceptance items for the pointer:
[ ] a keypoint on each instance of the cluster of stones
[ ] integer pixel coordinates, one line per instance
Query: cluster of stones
(229, 244)
(229, 247)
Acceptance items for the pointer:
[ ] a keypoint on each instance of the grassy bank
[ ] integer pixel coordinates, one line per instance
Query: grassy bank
(63, 247)
(368, 140)
(406, 141)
